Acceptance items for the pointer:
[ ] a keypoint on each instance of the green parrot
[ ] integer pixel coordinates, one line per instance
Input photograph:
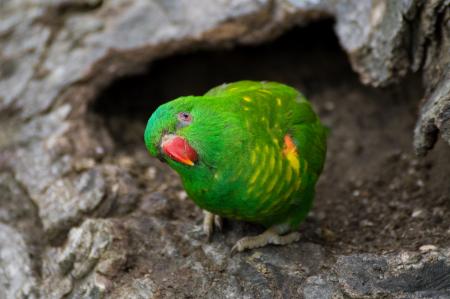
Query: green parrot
(247, 150)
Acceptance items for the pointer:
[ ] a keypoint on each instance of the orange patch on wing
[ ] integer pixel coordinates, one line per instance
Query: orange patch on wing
(290, 152)
(289, 145)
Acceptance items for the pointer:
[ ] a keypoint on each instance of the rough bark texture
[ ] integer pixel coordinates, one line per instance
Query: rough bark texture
(77, 222)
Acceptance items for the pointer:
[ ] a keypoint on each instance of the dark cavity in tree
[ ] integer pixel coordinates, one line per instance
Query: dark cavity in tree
(302, 57)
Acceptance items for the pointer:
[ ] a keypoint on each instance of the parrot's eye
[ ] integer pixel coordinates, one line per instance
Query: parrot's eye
(185, 118)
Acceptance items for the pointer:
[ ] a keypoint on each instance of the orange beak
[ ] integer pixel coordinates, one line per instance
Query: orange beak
(178, 149)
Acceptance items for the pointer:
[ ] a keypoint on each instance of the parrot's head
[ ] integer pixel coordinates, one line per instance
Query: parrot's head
(188, 132)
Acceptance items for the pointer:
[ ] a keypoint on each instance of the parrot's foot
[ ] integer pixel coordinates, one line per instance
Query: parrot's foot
(209, 221)
(273, 235)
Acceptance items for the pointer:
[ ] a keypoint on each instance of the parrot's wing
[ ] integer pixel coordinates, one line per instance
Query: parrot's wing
(309, 135)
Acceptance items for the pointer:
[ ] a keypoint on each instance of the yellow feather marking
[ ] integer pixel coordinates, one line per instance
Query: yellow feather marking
(278, 101)
(271, 163)
(281, 180)
(277, 184)
(232, 88)
(257, 171)
(282, 198)
(274, 180)
(267, 168)
(288, 174)
(291, 191)
(265, 91)
(265, 172)
(270, 156)
(271, 186)
(246, 108)
(252, 157)
(250, 189)
(295, 163)
(295, 187)
(247, 99)
(298, 181)
(290, 152)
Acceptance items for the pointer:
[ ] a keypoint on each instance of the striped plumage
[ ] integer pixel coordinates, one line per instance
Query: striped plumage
(260, 149)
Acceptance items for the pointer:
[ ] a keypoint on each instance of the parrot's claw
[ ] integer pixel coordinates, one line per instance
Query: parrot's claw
(268, 237)
(209, 221)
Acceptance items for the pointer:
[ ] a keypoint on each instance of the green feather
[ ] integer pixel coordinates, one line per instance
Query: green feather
(239, 131)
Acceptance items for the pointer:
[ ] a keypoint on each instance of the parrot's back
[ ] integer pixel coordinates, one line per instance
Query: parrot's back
(268, 172)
